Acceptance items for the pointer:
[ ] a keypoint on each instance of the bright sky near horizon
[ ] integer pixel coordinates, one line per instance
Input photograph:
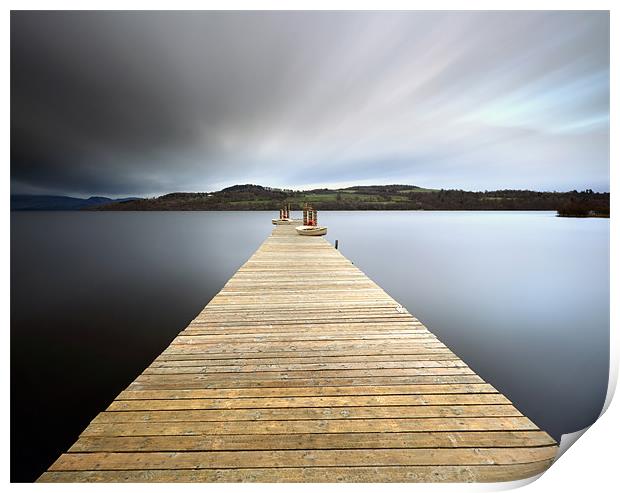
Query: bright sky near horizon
(145, 103)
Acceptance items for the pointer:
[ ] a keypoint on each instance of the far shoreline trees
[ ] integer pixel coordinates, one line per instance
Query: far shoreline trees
(374, 197)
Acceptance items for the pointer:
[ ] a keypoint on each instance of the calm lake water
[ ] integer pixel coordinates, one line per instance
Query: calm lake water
(522, 297)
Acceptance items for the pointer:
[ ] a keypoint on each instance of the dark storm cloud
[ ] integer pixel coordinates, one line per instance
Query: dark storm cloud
(146, 103)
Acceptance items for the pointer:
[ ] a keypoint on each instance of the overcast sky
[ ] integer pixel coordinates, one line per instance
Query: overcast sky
(143, 104)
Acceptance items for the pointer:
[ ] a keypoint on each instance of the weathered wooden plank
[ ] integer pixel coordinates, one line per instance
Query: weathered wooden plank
(165, 361)
(174, 367)
(303, 331)
(376, 353)
(298, 413)
(296, 363)
(474, 388)
(405, 336)
(314, 441)
(192, 375)
(317, 402)
(294, 351)
(301, 346)
(442, 473)
(234, 383)
(310, 426)
(299, 458)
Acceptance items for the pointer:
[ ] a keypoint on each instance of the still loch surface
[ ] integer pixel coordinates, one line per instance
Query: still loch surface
(522, 297)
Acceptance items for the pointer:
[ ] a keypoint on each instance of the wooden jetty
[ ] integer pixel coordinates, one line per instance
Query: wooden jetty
(303, 369)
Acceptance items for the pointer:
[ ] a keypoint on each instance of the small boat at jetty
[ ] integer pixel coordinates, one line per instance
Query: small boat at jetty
(311, 223)
(311, 230)
(285, 214)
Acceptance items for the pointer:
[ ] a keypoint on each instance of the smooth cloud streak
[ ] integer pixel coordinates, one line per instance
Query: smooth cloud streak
(147, 103)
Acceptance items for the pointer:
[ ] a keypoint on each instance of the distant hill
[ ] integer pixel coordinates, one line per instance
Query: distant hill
(250, 197)
(57, 202)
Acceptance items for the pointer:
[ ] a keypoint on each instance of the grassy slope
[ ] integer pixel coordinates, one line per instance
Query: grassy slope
(389, 197)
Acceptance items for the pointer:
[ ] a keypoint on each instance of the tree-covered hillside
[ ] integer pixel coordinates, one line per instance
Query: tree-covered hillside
(377, 197)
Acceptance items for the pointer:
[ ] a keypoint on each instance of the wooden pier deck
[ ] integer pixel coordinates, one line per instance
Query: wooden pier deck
(303, 369)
